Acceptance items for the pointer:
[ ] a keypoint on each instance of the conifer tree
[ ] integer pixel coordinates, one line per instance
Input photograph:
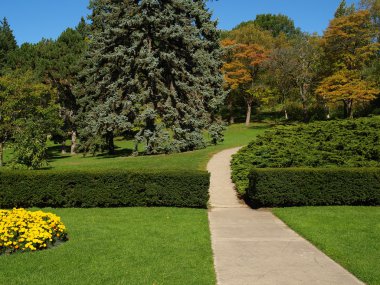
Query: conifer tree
(7, 42)
(61, 67)
(153, 66)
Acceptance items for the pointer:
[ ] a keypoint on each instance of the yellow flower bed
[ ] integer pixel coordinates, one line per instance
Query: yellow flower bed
(22, 230)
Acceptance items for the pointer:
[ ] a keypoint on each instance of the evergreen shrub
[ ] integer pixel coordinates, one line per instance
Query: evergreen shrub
(285, 187)
(112, 188)
(330, 144)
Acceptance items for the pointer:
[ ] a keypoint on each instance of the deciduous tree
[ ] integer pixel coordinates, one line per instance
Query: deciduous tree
(28, 114)
(349, 48)
(349, 87)
(242, 70)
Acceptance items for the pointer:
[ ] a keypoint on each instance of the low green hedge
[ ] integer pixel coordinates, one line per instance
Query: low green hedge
(65, 189)
(285, 187)
(336, 143)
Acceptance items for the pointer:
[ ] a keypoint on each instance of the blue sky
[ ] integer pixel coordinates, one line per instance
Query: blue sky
(32, 20)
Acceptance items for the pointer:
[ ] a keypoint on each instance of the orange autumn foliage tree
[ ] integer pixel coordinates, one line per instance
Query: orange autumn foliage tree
(347, 86)
(241, 68)
(349, 47)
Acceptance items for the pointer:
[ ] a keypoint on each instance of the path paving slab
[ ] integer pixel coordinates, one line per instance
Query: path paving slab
(255, 247)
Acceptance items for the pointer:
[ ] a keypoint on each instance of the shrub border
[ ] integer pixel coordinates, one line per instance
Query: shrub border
(110, 188)
(284, 187)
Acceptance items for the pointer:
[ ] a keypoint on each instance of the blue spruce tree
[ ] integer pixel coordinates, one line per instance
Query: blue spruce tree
(152, 66)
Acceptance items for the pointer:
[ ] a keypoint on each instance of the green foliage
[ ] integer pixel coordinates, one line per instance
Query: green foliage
(313, 187)
(60, 66)
(29, 145)
(28, 115)
(344, 10)
(344, 143)
(7, 42)
(293, 71)
(154, 66)
(55, 63)
(315, 112)
(112, 188)
(277, 24)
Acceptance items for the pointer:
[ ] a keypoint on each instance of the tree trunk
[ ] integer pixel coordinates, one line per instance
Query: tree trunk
(110, 143)
(230, 110)
(63, 147)
(345, 108)
(73, 149)
(350, 109)
(1, 154)
(136, 148)
(304, 103)
(249, 111)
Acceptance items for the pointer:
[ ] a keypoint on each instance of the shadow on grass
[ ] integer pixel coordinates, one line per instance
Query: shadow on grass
(260, 127)
(119, 152)
(54, 153)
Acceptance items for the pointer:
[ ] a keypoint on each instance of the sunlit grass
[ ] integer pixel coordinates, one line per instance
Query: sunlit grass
(236, 135)
(120, 246)
(349, 235)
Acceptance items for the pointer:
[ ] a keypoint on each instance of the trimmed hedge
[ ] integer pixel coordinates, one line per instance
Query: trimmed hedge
(337, 143)
(286, 187)
(86, 189)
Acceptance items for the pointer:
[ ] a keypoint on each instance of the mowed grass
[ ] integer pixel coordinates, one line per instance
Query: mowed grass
(128, 245)
(235, 135)
(349, 235)
(120, 246)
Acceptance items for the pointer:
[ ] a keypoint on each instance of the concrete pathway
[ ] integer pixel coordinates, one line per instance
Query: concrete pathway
(253, 247)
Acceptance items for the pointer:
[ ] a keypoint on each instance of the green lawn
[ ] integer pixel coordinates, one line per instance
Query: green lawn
(236, 135)
(349, 235)
(121, 246)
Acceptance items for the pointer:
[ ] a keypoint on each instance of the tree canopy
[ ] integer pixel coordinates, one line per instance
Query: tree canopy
(153, 67)
(276, 24)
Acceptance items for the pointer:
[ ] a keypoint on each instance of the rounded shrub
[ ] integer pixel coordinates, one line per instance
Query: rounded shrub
(328, 144)
(22, 230)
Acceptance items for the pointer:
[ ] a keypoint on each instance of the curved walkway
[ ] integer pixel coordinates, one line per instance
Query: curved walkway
(255, 247)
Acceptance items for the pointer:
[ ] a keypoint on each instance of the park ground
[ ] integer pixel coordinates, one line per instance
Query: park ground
(172, 246)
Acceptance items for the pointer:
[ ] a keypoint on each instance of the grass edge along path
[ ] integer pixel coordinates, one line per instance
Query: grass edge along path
(121, 246)
(349, 235)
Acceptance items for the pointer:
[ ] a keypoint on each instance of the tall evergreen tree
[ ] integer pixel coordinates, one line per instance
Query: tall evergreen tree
(7, 42)
(83, 28)
(154, 66)
(61, 68)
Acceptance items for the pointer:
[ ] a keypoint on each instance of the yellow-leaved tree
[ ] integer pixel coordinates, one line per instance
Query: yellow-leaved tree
(348, 87)
(349, 46)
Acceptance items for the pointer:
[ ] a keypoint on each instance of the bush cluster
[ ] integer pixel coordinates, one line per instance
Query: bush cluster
(22, 230)
(341, 143)
(313, 187)
(112, 188)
